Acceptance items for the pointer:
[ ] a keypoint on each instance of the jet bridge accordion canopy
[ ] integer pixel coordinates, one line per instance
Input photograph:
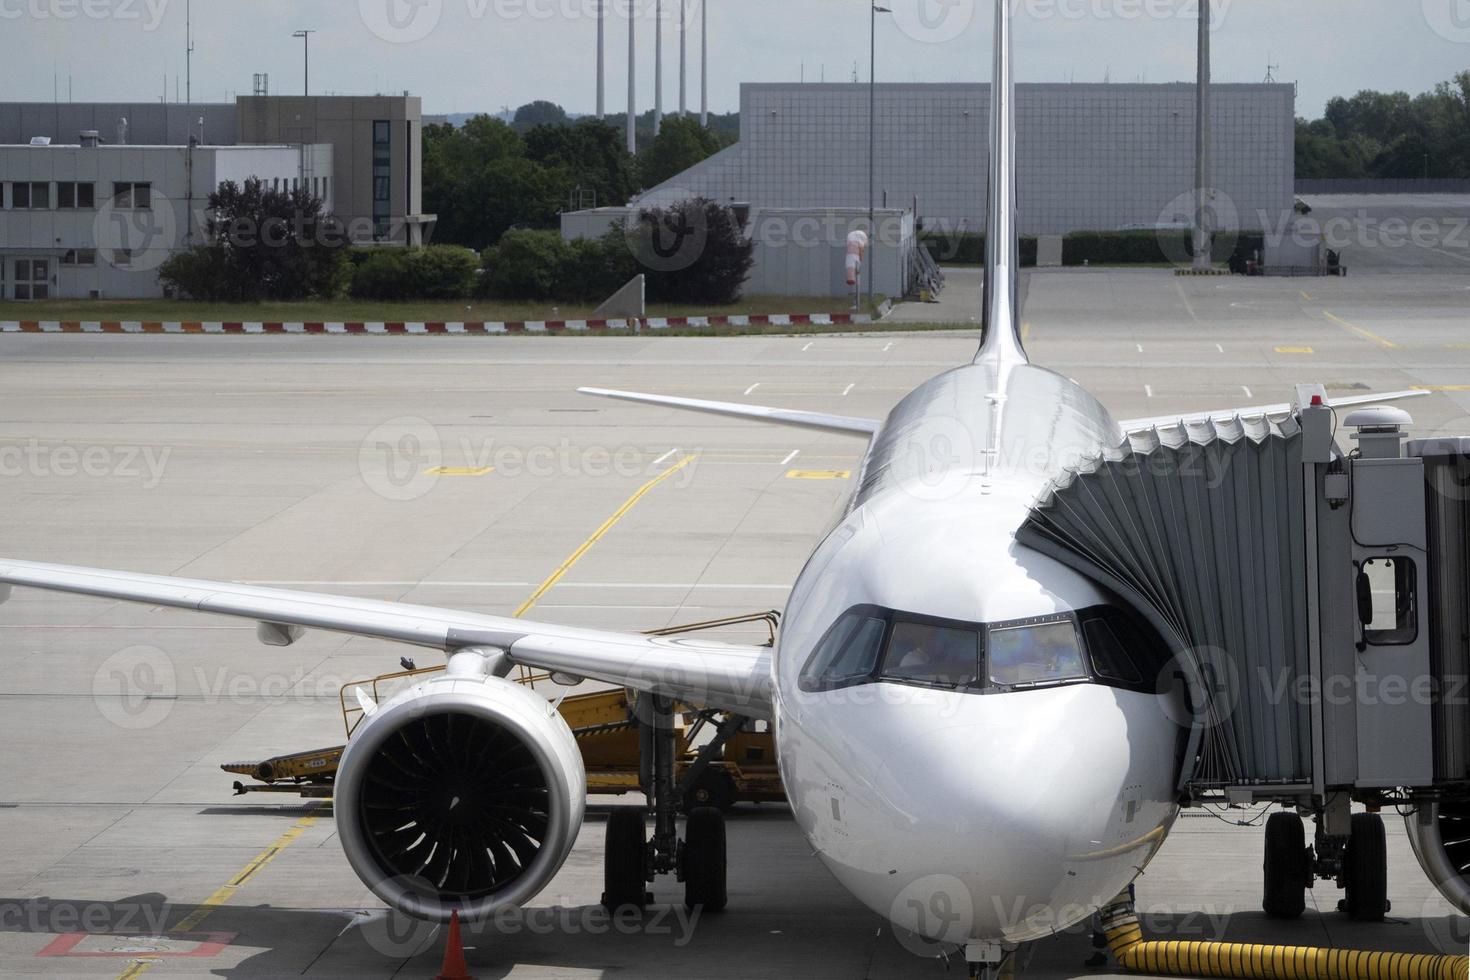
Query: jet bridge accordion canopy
(1196, 527)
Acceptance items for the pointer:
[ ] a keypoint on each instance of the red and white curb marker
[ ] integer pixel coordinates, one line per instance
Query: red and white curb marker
(460, 329)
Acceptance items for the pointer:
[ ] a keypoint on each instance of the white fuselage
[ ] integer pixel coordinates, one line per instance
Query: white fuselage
(969, 816)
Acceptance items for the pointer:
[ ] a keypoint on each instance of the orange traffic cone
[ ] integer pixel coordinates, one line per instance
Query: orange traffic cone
(454, 967)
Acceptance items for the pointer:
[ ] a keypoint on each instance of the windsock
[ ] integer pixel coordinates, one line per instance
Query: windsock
(857, 248)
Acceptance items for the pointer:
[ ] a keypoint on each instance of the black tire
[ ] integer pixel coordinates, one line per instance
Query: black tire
(704, 860)
(715, 788)
(1285, 869)
(625, 861)
(1365, 869)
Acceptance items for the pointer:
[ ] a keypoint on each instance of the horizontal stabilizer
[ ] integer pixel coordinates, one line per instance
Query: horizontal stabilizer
(762, 413)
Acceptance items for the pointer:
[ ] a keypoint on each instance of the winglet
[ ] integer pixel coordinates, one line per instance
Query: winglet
(780, 416)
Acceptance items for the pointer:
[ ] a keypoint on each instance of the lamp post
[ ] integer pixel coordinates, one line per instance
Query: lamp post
(874, 11)
(306, 52)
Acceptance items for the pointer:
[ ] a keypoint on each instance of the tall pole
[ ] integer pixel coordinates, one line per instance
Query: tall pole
(632, 82)
(704, 62)
(601, 59)
(1202, 244)
(658, 66)
(683, 56)
(306, 53)
(188, 51)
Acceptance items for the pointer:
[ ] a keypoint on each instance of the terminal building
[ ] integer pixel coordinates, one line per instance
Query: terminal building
(95, 197)
(1092, 157)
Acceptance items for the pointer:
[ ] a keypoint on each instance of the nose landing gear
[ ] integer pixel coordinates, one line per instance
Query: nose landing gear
(632, 860)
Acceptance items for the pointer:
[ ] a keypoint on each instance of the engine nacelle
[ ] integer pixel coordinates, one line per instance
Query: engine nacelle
(463, 793)
(1440, 836)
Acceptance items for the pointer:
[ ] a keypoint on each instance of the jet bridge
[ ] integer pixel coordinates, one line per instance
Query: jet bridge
(1317, 603)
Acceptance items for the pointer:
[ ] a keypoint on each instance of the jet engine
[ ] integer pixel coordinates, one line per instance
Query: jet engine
(1440, 835)
(463, 793)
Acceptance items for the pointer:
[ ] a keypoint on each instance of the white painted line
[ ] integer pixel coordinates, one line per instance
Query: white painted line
(752, 388)
(659, 461)
(1247, 391)
(1140, 348)
(1148, 390)
(788, 459)
(848, 390)
(888, 347)
(1219, 348)
(808, 346)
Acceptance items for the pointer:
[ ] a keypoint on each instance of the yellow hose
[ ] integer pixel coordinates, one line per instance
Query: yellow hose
(1246, 961)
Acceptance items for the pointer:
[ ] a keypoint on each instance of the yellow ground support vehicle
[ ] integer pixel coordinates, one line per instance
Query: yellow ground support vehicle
(737, 764)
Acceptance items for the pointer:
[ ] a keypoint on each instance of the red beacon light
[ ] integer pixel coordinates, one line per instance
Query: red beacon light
(1317, 401)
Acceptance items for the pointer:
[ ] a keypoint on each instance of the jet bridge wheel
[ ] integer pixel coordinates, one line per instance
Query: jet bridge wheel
(625, 861)
(1365, 870)
(702, 860)
(1287, 869)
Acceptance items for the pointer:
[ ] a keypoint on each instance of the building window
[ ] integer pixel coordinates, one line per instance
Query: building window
(382, 179)
(132, 196)
(79, 257)
(34, 196)
(122, 258)
(70, 194)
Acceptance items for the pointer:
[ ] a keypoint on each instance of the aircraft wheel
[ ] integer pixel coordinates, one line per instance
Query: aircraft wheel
(703, 860)
(1286, 869)
(1365, 870)
(625, 861)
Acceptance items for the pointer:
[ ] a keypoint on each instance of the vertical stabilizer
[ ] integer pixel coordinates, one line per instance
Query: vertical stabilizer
(1002, 313)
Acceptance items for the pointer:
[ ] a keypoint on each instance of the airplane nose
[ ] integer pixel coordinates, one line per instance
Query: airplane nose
(1005, 815)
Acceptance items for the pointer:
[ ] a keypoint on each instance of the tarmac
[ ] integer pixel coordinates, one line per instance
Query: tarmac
(306, 462)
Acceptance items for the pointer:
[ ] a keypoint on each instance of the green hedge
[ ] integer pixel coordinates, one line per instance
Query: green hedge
(435, 272)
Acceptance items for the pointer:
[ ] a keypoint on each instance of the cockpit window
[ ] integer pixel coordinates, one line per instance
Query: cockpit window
(1105, 644)
(948, 656)
(1043, 653)
(848, 654)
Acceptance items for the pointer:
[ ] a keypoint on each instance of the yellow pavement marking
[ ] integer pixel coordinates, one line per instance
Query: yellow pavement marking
(598, 535)
(1306, 295)
(460, 471)
(819, 474)
(1442, 387)
(226, 892)
(1295, 350)
(1354, 328)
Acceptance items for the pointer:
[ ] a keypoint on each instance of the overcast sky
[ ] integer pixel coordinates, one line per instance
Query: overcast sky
(480, 55)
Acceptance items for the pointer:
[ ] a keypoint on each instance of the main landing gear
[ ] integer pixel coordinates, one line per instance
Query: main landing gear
(632, 860)
(1357, 861)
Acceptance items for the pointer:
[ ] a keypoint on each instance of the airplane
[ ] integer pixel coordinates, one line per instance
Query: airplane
(963, 746)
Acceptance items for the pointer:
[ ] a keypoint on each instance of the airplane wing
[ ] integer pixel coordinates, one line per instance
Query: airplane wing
(701, 672)
(1134, 425)
(782, 416)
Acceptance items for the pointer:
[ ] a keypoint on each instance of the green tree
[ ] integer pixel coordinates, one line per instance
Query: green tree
(262, 244)
(539, 113)
(590, 156)
(681, 144)
(480, 183)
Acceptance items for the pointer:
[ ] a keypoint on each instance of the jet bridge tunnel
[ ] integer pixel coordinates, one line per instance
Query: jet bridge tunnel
(1318, 606)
